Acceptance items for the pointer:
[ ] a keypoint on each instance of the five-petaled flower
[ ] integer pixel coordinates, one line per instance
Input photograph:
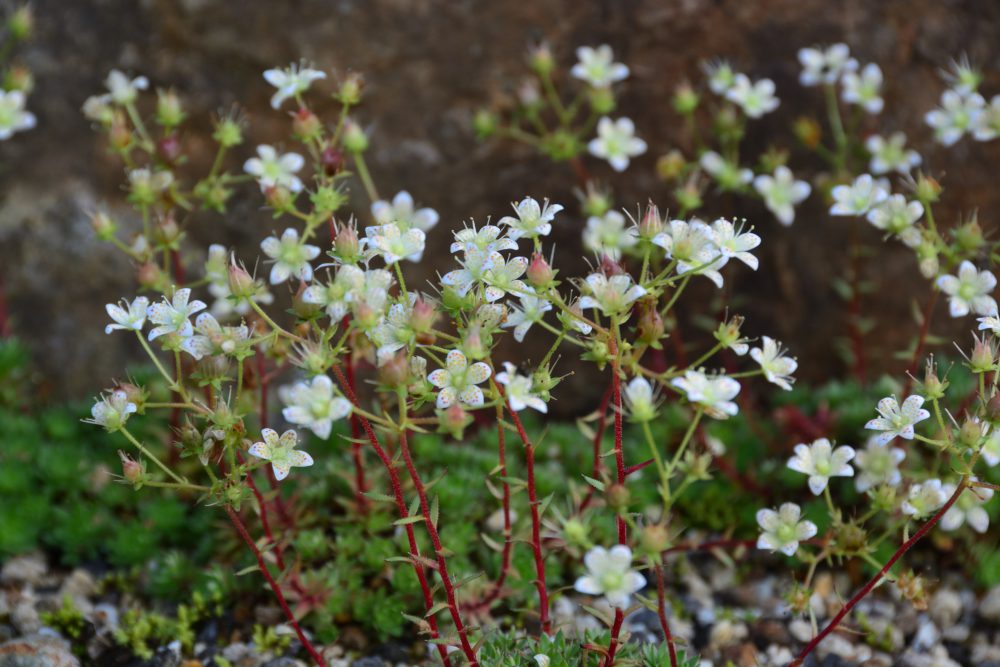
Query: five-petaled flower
(863, 88)
(897, 216)
(314, 405)
(640, 399)
(458, 380)
(613, 295)
(532, 220)
(713, 394)
(969, 291)
(926, 497)
(616, 142)
(897, 421)
(891, 154)
(968, 509)
(597, 67)
(127, 316)
(858, 197)
(958, 114)
(820, 461)
(756, 98)
(518, 390)
(281, 452)
(521, 318)
(291, 81)
(777, 367)
(123, 90)
(291, 257)
(729, 175)
(13, 116)
(878, 464)
(394, 244)
(112, 411)
(781, 193)
(609, 235)
(821, 65)
(610, 573)
(782, 530)
(172, 316)
(404, 213)
(275, 171)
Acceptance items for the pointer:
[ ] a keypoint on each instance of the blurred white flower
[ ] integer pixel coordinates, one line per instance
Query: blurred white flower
(609, 235)
(755, 98)
(782, 530)
(403, 213)
(596, 66)
(13, 116)
(878, 464)
(123, 90)
(291, 81)
(729, 176)
(891, 154)
(969, 291)
(616, 142)
(314, 405)
(613, 295)
(112, 411)
(897, 216)
(610, 573)
(820, 461)
(926, 497)
(275, 171)
(864, 88)
(858, 197)
(781, 193)
(290, 256)
(956, 115)
(821, 65)
(969, 509)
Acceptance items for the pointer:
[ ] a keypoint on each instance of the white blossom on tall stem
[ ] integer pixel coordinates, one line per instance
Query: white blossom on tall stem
(532, 220)
(211, 338)
(597, 67)
(956, 115)
(891, 154)
(123, 90)
(275, 171)
(474, 269)
(734, 243)
(290, 256)
(458, 380)
(13, 116)
(610, 573)
(897, 421)
(781, 193)
(640, 399)
(404, 213)
(314, 405)
(878, 464)
(616, 142)
(280, 452)
(693, 246)
(505, 277)
(897, 216)
(127, 316)
(926, 497)
(782, 530)
(863, 88)
(394, 244)
(531, 310)
(612, 296)
(987, 126)
(714, 394)
(112, 411)
(858, 197)
(335, 296)
(172, 316)
(291, 81)
(820, 461)
(756, 98)
(821, 65)
(485, 239)
(969, 291)
(777, 367)
(609, 235)
(518, 390)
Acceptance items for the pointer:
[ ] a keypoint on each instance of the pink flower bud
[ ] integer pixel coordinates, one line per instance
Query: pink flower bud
(539, 272)
(241, 283)
(424, 316)
(131, 469)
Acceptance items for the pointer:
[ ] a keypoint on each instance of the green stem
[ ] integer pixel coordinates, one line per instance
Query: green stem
(145, 452)
(365, 176)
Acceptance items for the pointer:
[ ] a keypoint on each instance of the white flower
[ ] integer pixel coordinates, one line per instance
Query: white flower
(891, 154)
(926, 498)
(504, 277)
(825, 65)
(777, 367)
(597, 66)
(394, 331)
(640, 400)
(962, 76)
(532, 220)
(729, 176)
(721, 76)
(291, 257)
(394, 244)
(991, 322)
(734, 243)
(275, 171)
(13, 116)
(821, 462)
(612, 295)
(616, 142)
(486, 239)
(878, 463)
(968, 509)
(212, 338)
(336, 296)
(314, 406)
(895, 421)
(112, 411)
(781, 193)
(897, 216)
(782, 531)
(542, 660)
(864, 88)
(956, 115)
(145, 181)
(714, 394)
(127, 315)
(858, 197)
(990, 451)
(969, 291)
(692, 245)
(987, 125)
(291, 81)
(123, 90)
(609, 235)
(373, 297)
(610, 573)
(281, 452)
(458, 380)
(404, 214)
(532, 310)
(517, 389)
(172, 316)
(755, 98)
(474, 270)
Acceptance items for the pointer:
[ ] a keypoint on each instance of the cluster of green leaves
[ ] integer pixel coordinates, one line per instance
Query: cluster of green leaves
(509, 650)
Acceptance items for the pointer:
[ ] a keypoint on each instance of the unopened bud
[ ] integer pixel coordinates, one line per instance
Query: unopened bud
(131, 469)
(169, 148)
(654, 539)
(395, 372)
(302, 308)
(808, 131)
(969, 236)
(169, 111)
(279, 198)
(970, 433)
(306, 125)
(485, 123)
(671, 165)
(350, 89)
(539, 272)
(618, 497)
(934, 387)
(685, 99)
(454, 419)
(597, 202)
(928, 190)
(688, 196)
(103, 225)
(650, 326)
(327, 200)
(355, 139)
(365, 317)
(983, 357)
(241, 283)
(540, 59)
(602, 100)
(19, 78)
(149, 276)
(576, 533)
(120, 134)
(21, 23)
(332, 160)
(346, 247)
(474, 346)
(228, 133)
(993, 409)
(423, 317)
(167, 232)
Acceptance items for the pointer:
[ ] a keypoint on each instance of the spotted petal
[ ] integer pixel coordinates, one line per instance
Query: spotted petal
(478, 372)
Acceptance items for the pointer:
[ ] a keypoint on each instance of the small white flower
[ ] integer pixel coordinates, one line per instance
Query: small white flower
(609, 235)
(532, 310)
(394, 244)
(640, 400)
(956, 115)
(878, 464)
(281, 452)
(895, 421)
(291, 257)
(990, 452)
(692, 245)
(172, 316)
(782, 531)
(542, 660)
(734, 243)
(610, 573)
(616, 142)
(275, 171)
(755, 98)
(721, 76)
(505, 277)
(518, 390)
(144, 181)
(825, 65)
(613, 295)
(864, 88)
(968, 509)
(13, 116)
(394, 331)
(123, 90)
(458, 380)
(990, 322)
(969, 291)
(781, 193)
(314, 406)
(926, 498)
(112, 411)
(858, 197)
(486, 239)
(211, 338)
(291, 81)
(897, 216)
(777, 367)
(403, 213)
(597, 67)
(336, 296)
(714, 394)
(891, 154)
(127, 316)
(532, 220)
(474, 270)
(821, 462)
(729, 176)
(987, 125)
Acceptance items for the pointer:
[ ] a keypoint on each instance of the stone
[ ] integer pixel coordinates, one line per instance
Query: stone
(945, 607)
(37, 651)
(989, 606)
(28, 569)
(25, 618)
(369, 661)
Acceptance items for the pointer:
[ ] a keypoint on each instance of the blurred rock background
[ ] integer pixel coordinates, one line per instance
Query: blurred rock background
(428, 66)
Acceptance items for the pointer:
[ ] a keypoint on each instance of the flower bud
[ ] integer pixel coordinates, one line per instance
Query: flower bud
(850, 538)
(332, 160)
(279, 198)
(602, 100)
(883, 498)
(651, 223)
(346, 247)
(97, 109)
(485, 124)
(654, 539)
(327, 200)
(169, 111)
(596, 202)
(650, 328)
(993, 409)
(970, 433)
(969, 236)
(808, 131)
(934, 387)
(132, 470)
(688, 196)
(303, 309)
(423, 317)
(618, 497)
(540, 59)
(149, 276)
(529, 95)
(241, 284)
(213, 194)
(21, 23)
(539, 272)
(169, 149)
(313, 357)
(453, 420)
(167, 232)
(395, 372)
(928, 190)
(542, 382)
(354, 137)
(135, 394)
(19, 78)
(474, 346)
(983, 357)
(671, 165)
(103, 225)
(685, 99)
(576, 533)
(120, 134)
(306, 125)
(349, 93)
(365, 317)
(228, 133)
(927, 258)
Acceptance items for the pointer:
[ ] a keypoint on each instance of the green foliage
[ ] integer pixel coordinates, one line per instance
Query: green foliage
(508, 650)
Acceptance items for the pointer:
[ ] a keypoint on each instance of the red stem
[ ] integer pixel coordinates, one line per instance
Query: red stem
(360, 486)
(616, 629)
(878, 577)
(397, 492)
(242, 530)
(508, 543)
(620, 465)
(661, 604)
